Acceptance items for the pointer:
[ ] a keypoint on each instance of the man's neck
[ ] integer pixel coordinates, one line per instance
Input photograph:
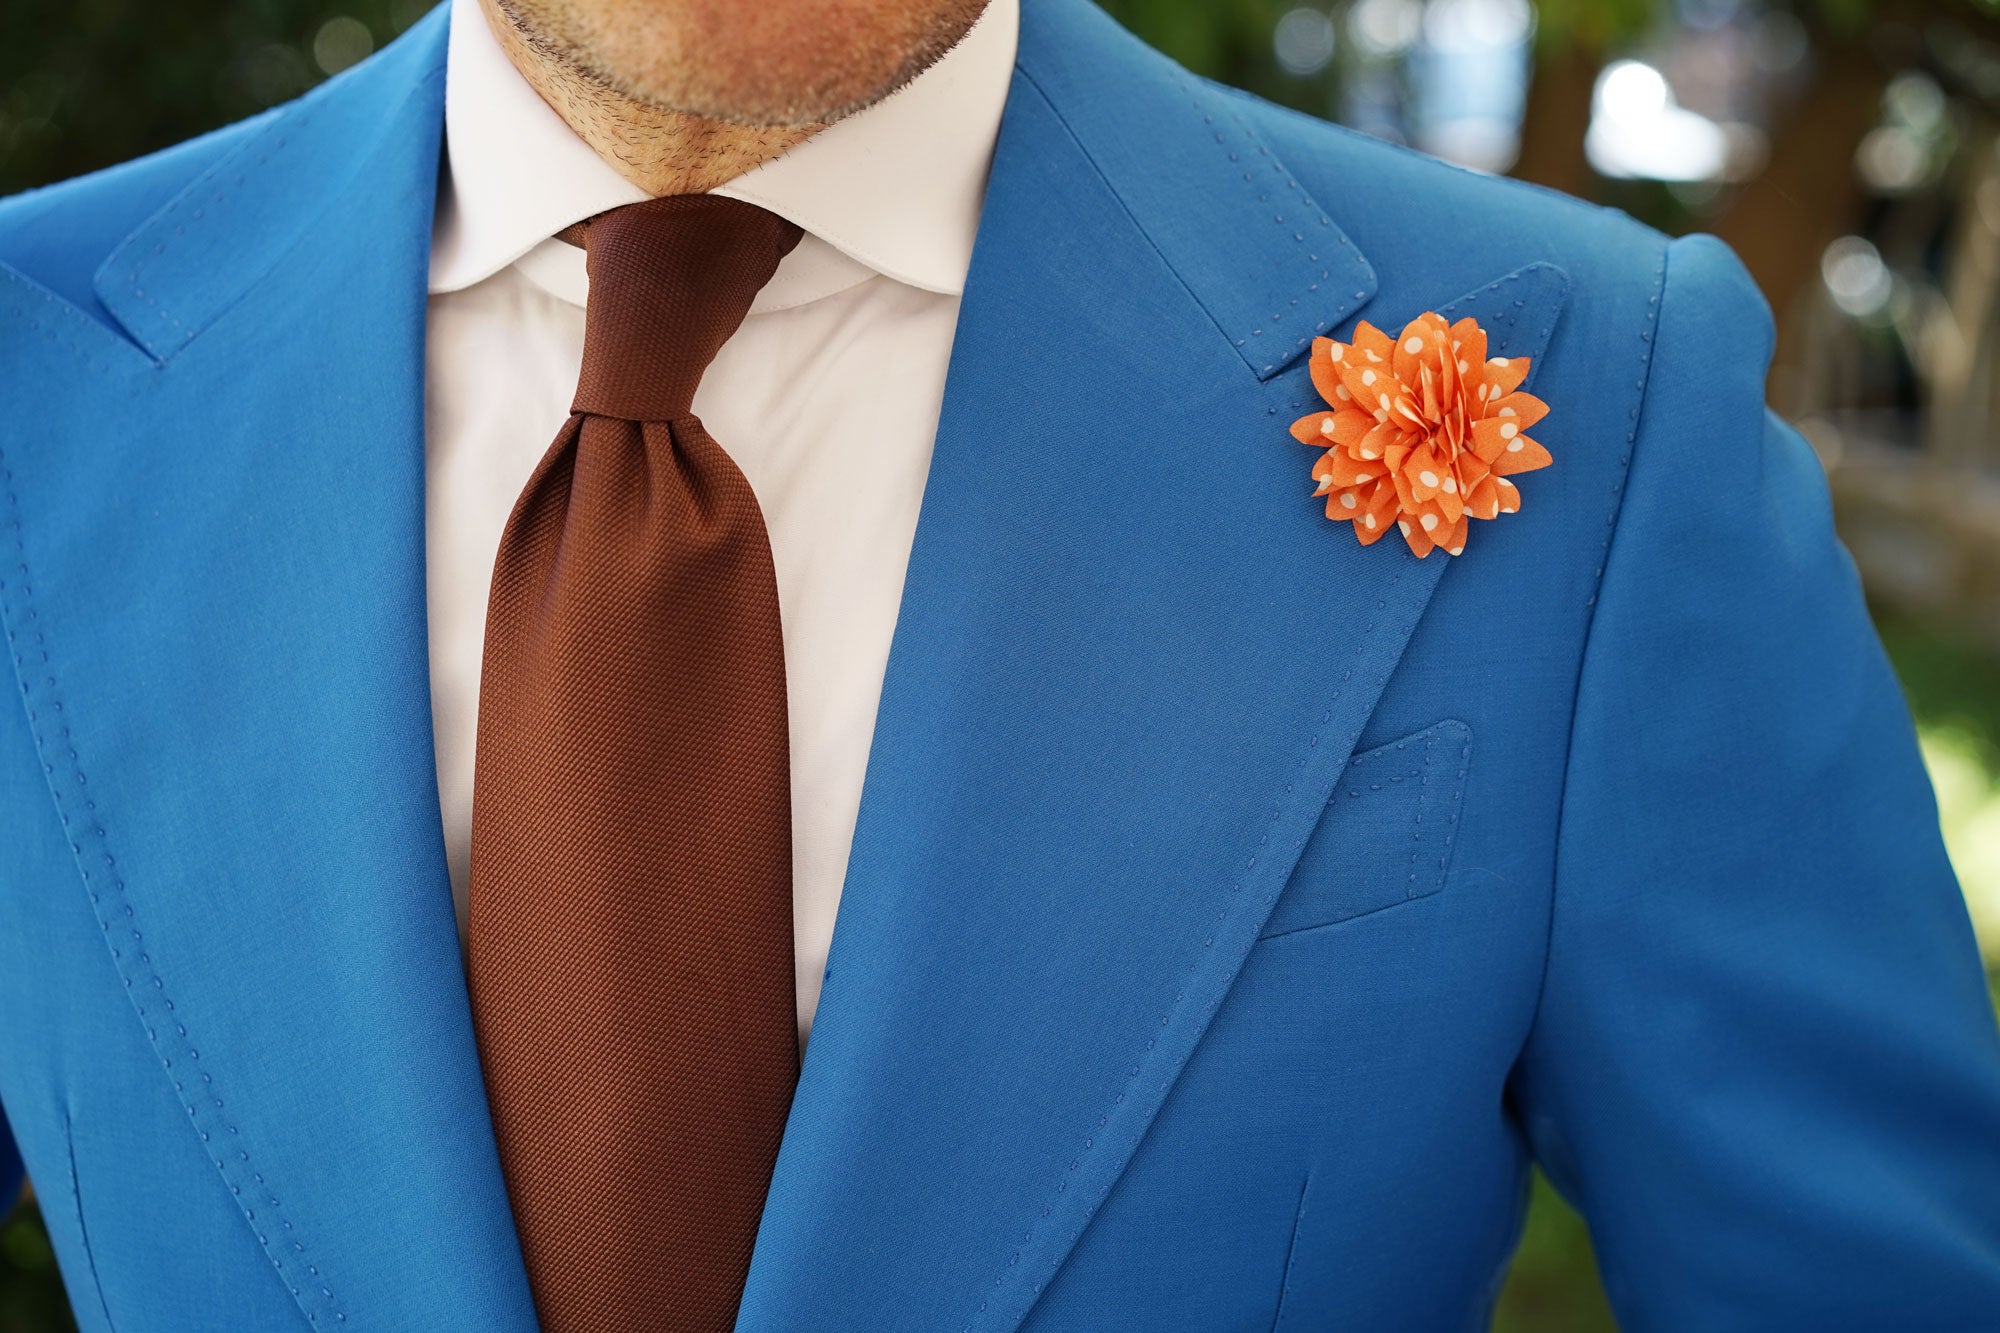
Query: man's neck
(662, 152)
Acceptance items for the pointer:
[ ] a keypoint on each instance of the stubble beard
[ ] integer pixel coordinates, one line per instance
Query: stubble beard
(551, 31)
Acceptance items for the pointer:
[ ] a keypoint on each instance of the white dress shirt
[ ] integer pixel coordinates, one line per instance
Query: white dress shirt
(827, 398)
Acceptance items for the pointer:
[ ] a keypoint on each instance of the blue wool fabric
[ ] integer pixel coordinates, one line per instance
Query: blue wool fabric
(1234, 913)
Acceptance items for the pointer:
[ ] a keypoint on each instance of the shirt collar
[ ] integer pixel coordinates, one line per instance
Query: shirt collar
(894, 190)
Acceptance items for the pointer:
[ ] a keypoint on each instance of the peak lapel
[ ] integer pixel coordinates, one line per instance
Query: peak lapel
(222, 523)
(1131, 660)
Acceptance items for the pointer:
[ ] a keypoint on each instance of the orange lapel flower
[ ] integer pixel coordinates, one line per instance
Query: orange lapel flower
(1422, 432)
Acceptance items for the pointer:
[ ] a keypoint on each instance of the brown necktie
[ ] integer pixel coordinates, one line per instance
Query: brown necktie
(630, 933)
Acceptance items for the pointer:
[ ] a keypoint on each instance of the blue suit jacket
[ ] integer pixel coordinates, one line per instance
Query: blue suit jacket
(1235, 911)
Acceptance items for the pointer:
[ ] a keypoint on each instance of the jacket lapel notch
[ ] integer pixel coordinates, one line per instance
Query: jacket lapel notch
(1518, 310)
(1267, 263)
(194, 259)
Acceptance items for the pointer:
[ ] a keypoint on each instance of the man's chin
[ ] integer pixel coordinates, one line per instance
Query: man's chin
(780, 90)
(763, 70)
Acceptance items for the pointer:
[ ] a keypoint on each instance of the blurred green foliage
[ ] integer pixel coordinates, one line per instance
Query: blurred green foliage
(1553, 1285)
(31, 1297)
(89, 83)
(1230, 40)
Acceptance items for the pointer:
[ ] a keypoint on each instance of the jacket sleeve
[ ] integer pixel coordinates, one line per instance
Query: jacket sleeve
(1764, 1063)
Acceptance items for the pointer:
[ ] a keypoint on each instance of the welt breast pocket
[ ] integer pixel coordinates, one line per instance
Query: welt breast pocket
(1386, 835)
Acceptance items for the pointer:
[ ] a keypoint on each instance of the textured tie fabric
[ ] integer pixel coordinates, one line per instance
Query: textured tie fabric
(630, 930)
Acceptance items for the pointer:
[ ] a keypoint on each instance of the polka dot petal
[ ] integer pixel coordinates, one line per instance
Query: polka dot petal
(1420, 432)
(1521, 455)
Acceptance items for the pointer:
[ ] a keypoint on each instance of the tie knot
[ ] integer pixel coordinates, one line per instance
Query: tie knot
(670, 280)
